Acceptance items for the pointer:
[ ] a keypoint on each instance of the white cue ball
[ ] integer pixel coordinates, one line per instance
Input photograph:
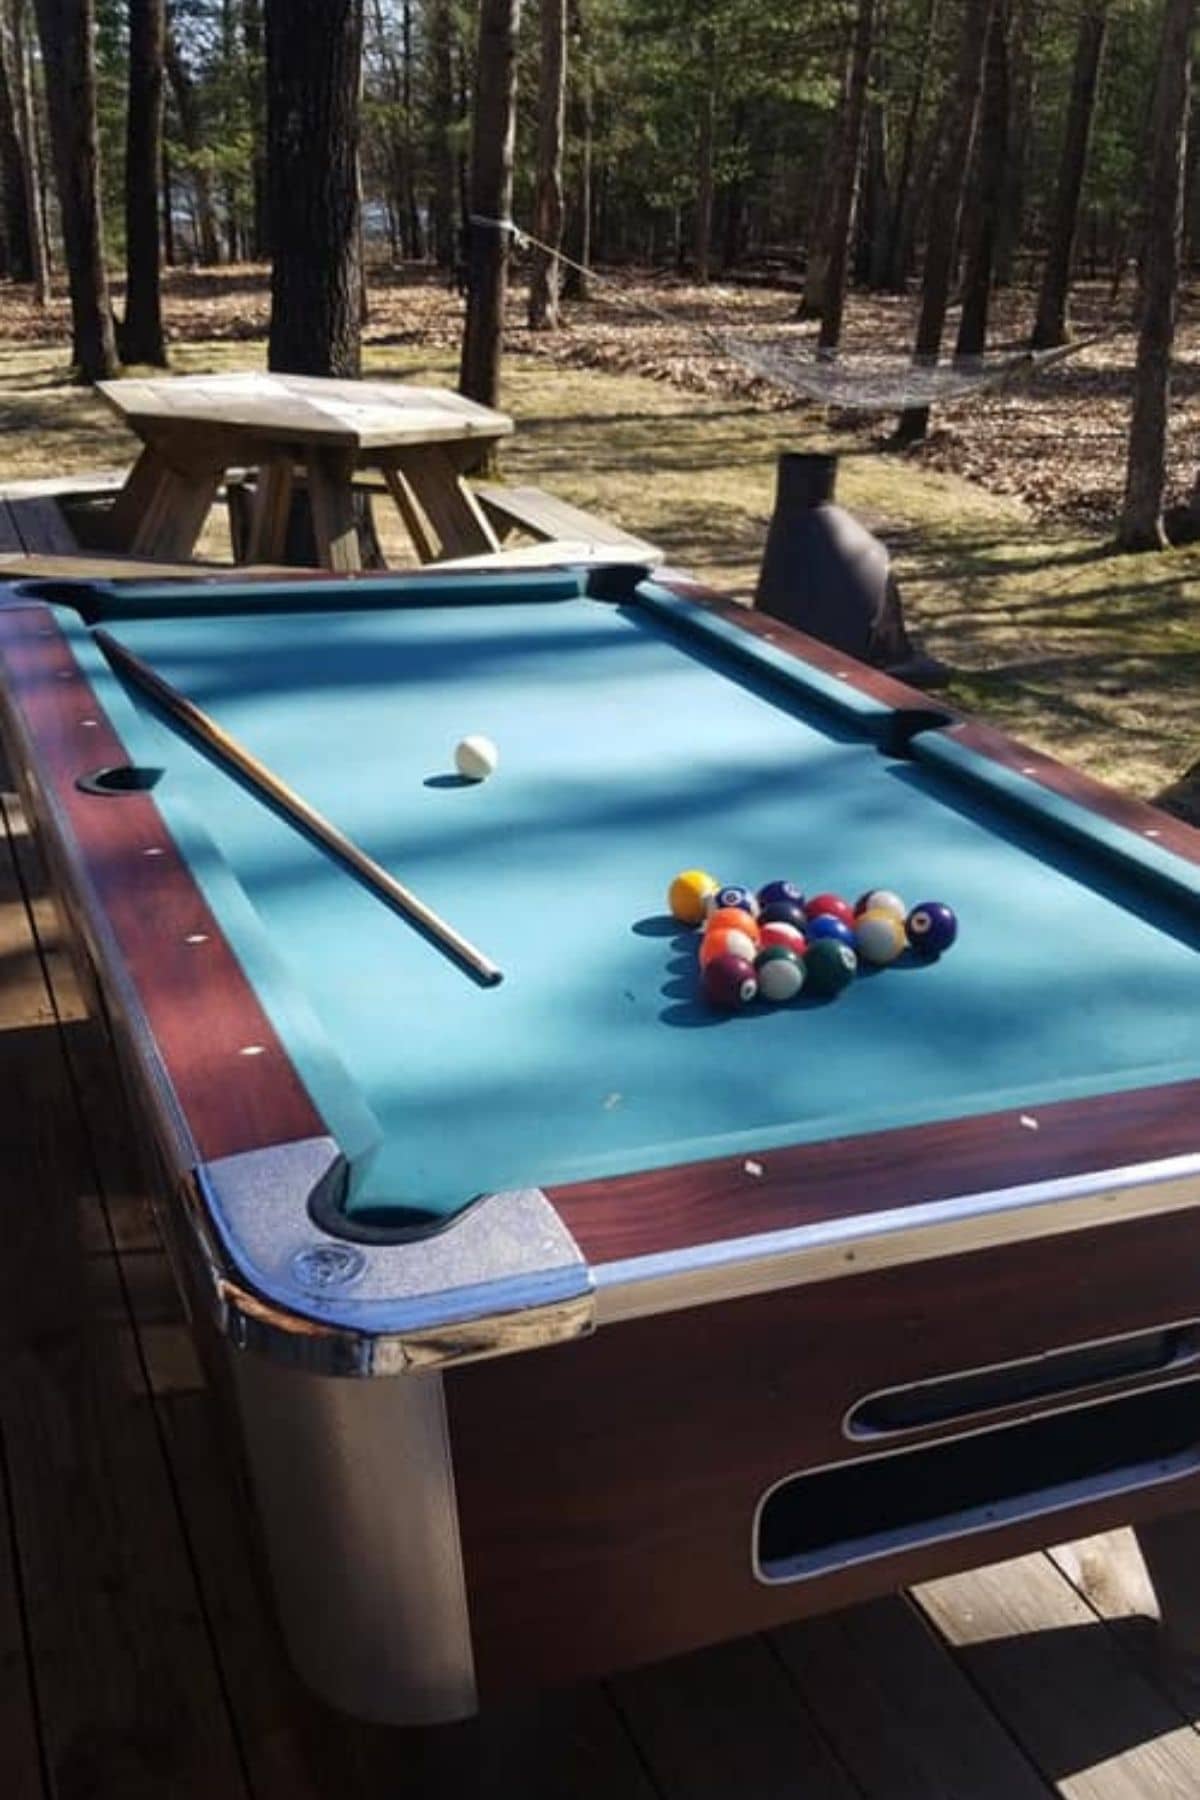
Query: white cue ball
(476, 758)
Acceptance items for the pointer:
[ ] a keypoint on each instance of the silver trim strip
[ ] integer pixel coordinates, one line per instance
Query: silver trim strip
(702, 1274)
(505, 1276)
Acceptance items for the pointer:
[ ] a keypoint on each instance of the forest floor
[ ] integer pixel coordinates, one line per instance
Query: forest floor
(999, 524)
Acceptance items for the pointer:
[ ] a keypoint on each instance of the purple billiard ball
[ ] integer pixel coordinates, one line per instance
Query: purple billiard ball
(780, 893)
(782, 912)
(931, 927)
(826, 926)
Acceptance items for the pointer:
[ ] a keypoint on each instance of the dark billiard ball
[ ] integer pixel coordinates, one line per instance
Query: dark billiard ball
(740, 899)
(782, 912)
(780, 893)
(831, 906)
(829, 966)
(826, 926)
(780, 973)
(931, 928)
(729, 982)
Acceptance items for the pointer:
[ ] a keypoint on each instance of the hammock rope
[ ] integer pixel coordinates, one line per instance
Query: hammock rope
(861, 382)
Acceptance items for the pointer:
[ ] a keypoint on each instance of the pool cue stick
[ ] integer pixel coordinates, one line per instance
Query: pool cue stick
(297, 809)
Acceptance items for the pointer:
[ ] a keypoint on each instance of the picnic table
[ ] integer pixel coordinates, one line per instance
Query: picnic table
(196, 429)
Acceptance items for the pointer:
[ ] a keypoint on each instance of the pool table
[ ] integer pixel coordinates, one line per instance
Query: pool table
(568, 1322)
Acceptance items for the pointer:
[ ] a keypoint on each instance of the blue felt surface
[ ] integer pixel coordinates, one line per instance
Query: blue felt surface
(629, 752)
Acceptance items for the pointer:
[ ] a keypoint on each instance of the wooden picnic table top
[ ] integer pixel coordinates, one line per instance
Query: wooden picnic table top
(354, 415)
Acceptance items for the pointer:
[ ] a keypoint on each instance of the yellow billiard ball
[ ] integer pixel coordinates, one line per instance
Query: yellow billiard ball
(687, 894)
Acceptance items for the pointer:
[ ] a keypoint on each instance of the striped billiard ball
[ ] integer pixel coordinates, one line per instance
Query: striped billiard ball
(780, 974)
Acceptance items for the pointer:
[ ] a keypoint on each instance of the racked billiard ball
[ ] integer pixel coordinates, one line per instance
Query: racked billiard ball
(777, 933)
(732, 918)
(780, 974)
(729, 981)
(826, 926)
(688, 893)
(879, 936)
(829, 966)
(782, 912)
(741, 898)
(727, 941)
(780, 893)
(881, 900)
(931, 927)
(830, 906)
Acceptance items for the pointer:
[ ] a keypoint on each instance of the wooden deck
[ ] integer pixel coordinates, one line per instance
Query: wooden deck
(138, 1657)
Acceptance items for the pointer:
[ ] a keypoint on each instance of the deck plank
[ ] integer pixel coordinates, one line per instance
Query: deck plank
(1062, 1684)
(1108, 1571)
(128, 1698)
(727, 1722)
(900, 1711)
(20, 1750)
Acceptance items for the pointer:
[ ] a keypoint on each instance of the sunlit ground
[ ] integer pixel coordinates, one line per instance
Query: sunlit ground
(1093, 656)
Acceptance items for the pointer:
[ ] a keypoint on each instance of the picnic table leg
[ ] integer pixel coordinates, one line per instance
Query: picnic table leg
(330, 477)
(424, 540)
(162, 508)
(447, 502)
(269, 516)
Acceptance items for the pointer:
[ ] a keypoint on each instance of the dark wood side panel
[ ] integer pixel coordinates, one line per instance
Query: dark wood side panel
(669, 1209)
(607, 1488)
(232, 1075)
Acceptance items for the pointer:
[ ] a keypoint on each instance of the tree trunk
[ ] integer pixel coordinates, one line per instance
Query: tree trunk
(441, 32)
(416, 234)
(544, 283)
(252, 44)
(313, 58)
(1022, 85)
(1051, 325)
(901, 235)
(14, 204)
(817, 233)
(706, 151)
(191, 130)
(579, 223)
(874, 211)
(845, 179)
(168, 207)
(141, 332)
(1140, 526)
(492, 137)
(946, 192)
(66, 29)
(27, 130)
(991, 163)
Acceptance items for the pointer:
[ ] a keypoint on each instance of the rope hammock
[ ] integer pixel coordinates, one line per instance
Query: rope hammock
(862, 382)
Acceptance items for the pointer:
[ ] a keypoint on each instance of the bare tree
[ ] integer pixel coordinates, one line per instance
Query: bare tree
(544, 284)
(1140, 526)
(441, 124)
(991, 162)
(492, 137)
(845, 182)
(141, 332)
(66, 29)
(191, 130)
(313, 60)
(22, 83)
(1050, 327)
(946, 192)
(706, 154)
(16, 250)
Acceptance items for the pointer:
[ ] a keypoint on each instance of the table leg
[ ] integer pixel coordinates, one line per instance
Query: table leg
(330, 478)
(424, 539)
(269, 517)
(1170, 1549)
(147, 476)
(446, 501)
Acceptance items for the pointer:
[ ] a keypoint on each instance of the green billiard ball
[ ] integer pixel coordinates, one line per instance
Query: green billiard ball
(830, 966)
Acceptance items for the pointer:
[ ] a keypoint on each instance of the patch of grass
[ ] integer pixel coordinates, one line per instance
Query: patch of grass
(1093, 656)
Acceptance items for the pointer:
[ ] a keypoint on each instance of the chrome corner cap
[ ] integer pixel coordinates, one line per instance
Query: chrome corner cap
(505, 1276)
